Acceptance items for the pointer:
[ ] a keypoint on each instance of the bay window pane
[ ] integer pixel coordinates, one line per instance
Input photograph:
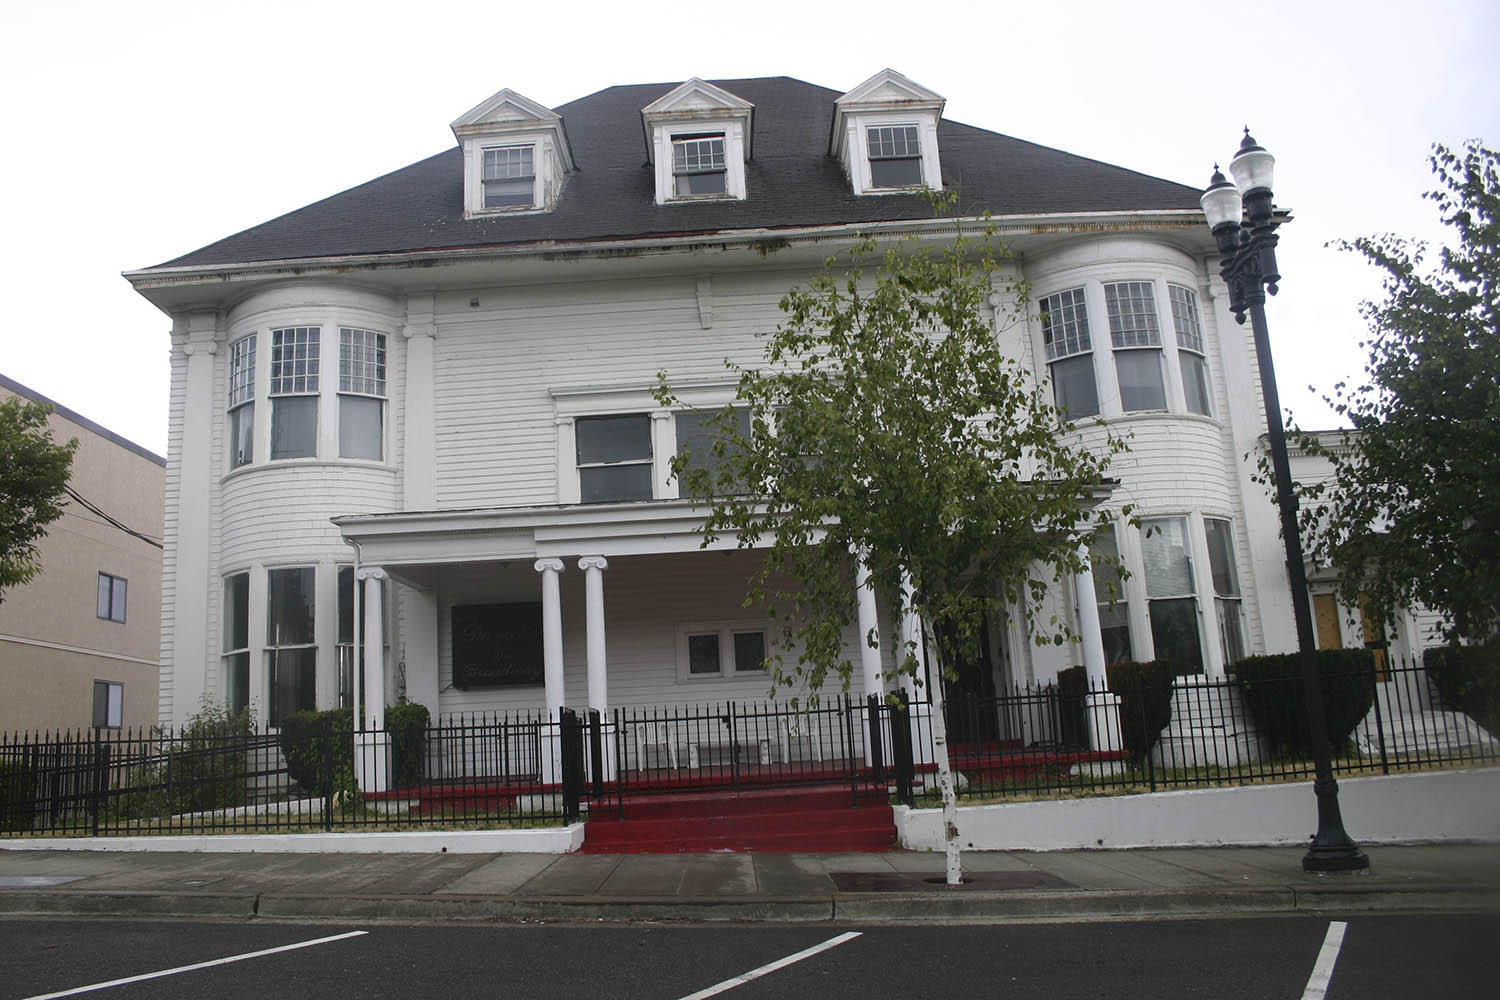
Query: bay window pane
(294, 427)
(1231, 631)
(1073, 387)
(293, 679)
(1221, 556)
(1195, 382)
(241, 435)
(290, 604)
(361, 427)
(236, 612)
(1168, 557)
(1141, 385)
(237, 681)
(1174, 632)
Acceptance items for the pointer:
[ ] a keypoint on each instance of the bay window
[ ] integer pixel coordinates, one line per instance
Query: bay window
(614, 457)
(242, 402)
(1171, 593)
(1228, 604)
(294, 392)
(1135, 334)
(1070, 353)
(1191, 356)
(235, 657)
(362, 389)
(291, 644)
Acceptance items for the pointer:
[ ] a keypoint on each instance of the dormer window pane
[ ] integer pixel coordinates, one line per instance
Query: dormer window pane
(895, 156)
(509, 177)
(698, 164)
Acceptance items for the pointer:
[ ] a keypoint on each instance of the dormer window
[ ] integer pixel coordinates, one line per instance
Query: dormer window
(885, 135)
(697, 141)
(895, 156)
(509, 177)
(516, 156)
(698, 164)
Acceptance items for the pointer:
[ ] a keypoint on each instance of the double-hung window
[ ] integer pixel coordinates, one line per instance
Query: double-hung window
(1171, 594)
(111, 598)
(1227, 600)
(895, 156)
(697, 431)
(1191, 356)
(242, 402)
(109, 704)
(291, 644)
(1070, 353)
(509, 177)
(614, 457)
(361, 394)
(294, 392)
(1135, 334)
(236, 645)
(698, 165)
(1109, 593)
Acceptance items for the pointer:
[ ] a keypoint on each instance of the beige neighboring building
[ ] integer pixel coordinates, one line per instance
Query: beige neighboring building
(80, 644)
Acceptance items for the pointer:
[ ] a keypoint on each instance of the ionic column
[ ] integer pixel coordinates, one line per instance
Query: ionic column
(593, 586)
(1103, 708)
(869, 658)
(552, 648)
(371, 766)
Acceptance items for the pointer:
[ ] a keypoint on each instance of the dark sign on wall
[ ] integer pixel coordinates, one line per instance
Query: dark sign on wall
(496, 645)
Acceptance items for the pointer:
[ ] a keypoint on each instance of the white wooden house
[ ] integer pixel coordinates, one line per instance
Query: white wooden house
(438, 383)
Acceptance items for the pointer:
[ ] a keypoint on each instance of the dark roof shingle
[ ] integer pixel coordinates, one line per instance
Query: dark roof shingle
(791, 182)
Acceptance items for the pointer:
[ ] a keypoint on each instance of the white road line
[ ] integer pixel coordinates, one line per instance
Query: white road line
(780, 963)
(1317, 985)
(199, 965)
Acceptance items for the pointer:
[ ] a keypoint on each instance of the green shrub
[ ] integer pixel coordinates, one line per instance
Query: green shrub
(304, 743)
(17, 796)
(1072, 689)
(206, 763)
(1468, 678)
(407, 721)
(1145, 692)
(1273, 691)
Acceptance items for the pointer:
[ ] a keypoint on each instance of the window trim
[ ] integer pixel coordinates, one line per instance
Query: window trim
(105, 601)
(726, 630)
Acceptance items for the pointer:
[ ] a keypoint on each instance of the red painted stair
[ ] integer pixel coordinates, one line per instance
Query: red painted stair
(818, 819)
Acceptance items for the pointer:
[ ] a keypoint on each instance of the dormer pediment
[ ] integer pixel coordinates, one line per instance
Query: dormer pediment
(885, 135)
(516, 154)
(698, 137)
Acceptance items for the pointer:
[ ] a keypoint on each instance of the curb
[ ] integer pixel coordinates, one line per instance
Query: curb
(851, 908)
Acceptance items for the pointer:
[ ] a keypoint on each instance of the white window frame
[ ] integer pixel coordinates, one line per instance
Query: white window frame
(274, 646)
(364, 370)
(726, 631)
(1187, 331)
(869, 134)
(1146, 539)
(1228, 606)
(241, 401)
(1069, 347)
(110, 597)
(484, 157)
(680, 169)
(1130, 331)
(306, 384)
(232, 653)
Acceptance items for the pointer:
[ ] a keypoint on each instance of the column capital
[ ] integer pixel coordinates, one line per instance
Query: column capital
(552, 565)
(413, 330)
(593, 562)
(372, 573)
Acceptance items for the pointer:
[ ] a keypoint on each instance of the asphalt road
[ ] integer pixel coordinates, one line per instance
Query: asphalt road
(1379, 957)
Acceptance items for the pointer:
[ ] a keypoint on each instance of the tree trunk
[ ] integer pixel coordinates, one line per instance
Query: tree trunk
(955, 870)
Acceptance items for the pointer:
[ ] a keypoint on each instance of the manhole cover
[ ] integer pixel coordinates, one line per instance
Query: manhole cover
(921, 882)
(35, 881)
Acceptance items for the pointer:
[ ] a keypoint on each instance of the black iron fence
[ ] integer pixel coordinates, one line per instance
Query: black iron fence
(522, 769)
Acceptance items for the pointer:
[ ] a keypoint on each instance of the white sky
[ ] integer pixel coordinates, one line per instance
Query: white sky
(138, 131)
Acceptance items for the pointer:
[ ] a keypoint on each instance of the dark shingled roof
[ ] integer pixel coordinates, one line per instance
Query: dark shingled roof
(791, 182)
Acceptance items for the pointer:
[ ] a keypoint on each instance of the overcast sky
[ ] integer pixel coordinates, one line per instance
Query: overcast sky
(139, 131)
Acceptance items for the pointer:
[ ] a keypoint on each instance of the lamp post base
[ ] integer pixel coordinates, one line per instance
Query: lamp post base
(1331, 849)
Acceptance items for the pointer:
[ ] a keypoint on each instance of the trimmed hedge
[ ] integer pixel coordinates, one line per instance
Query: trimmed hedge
(1073, 723)
(407, 721)
(302, 738)
(1145, 692)
(1468, 678)
(1273, 691)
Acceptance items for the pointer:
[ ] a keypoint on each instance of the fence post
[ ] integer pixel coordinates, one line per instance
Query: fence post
(901, 750)
(734, 750)
(101, 777)
(596, 752)
(571, 733)
(877, 743)
(1385, 765)
(1146, 735)
(329, 757)
(849, 760)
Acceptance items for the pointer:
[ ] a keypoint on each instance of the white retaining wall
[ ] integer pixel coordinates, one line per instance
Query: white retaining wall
(1453, 805)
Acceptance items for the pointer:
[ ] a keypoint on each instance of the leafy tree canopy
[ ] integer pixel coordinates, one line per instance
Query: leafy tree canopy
(1412, 512)
(885, 419)
(33, 477)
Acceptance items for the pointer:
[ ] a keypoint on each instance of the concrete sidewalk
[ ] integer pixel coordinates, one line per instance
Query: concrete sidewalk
(848, 888)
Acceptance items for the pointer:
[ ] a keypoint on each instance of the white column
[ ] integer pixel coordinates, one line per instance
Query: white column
(371, 765)
(418, 455)
(593, 586)
(552, 666)
(869, 658)
(1102, 708)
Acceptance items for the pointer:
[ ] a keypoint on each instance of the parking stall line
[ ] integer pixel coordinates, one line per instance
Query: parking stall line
(1317, 984)
(780, 963)
(143, 977)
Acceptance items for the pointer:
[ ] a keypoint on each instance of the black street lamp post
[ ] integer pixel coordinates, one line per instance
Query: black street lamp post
(1244, 224)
